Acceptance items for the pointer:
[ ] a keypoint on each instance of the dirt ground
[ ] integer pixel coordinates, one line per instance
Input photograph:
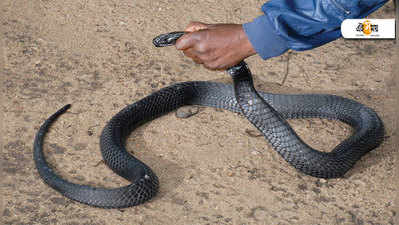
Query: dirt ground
(98, 56)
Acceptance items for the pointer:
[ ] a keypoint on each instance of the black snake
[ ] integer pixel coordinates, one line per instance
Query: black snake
(268, 112)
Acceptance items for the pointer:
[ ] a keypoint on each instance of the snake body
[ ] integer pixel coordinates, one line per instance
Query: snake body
(266, 111)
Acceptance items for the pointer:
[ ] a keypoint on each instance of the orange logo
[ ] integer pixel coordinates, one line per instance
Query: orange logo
(367, 27)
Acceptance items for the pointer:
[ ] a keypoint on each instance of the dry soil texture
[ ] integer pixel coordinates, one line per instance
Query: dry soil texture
(213, 167)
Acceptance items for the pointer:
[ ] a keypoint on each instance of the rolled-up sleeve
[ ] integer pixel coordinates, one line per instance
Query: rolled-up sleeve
(303, 24)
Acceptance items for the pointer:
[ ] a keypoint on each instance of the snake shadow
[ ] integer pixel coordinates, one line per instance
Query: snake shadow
(379, 100)
(170, 174)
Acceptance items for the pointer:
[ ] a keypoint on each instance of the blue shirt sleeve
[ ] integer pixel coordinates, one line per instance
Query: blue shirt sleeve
(303, 24)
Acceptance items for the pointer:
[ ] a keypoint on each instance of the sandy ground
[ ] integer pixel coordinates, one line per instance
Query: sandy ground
(98, 56)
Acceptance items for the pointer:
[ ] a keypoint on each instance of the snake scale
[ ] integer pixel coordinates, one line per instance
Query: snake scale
(267, 112)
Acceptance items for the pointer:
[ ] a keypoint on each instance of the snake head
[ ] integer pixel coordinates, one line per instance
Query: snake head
(239, 70)
(167, 39)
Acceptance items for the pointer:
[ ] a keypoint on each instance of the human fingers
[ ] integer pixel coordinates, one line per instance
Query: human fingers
(191, 53)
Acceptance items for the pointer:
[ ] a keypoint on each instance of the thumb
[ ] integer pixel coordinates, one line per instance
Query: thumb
(186, 41)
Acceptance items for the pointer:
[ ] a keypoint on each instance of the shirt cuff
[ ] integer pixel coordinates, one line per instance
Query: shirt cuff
(263, 37)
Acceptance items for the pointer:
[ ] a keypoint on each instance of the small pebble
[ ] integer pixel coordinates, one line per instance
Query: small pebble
(230, 174)
(186, 111)
(253, 133)
(254, 152)
(323, 181)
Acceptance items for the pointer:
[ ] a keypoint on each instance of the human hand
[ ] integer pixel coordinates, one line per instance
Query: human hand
(216, 46)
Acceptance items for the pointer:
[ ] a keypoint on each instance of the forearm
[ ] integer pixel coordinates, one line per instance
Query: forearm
(303, 24)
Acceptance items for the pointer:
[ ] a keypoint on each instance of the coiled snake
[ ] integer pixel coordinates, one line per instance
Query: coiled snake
(267, 112)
